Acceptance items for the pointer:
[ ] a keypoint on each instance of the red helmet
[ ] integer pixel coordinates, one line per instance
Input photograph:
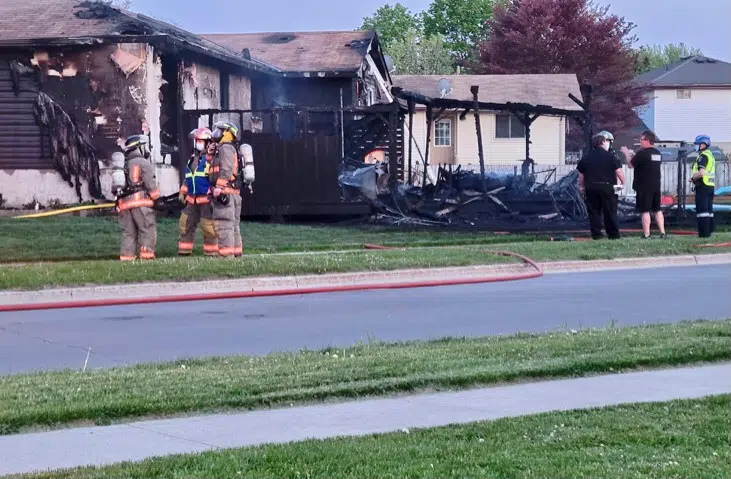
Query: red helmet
(201, 134)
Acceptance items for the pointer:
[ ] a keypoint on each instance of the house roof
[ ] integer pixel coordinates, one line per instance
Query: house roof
(544, 90)
(68, 22)
(337, 51)
(691, 71)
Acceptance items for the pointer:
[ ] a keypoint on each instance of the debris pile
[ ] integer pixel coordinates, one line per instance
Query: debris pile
(463, 198)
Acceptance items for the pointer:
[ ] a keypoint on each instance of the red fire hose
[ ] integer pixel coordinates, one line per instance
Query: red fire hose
(282, 292)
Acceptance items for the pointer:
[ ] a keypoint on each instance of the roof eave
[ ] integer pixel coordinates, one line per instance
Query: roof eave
(84, 40)
(341, 73)
(150, 39)
(690, 85)
(465, 105)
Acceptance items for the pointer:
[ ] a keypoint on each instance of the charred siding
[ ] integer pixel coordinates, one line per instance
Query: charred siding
(302, 92)
(22, 143)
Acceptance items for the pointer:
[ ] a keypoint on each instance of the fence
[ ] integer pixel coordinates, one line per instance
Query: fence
(552, 173)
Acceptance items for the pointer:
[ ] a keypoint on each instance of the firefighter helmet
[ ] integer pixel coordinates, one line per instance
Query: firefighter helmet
(201, 134)
(223, 126)
(140, 142)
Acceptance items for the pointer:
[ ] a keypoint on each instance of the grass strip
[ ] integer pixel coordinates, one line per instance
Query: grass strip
(63, 239)
(53, 399)
(676, 439)
(78, 273)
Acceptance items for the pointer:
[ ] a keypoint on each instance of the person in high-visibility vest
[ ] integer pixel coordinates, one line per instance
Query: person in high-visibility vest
(703, 178)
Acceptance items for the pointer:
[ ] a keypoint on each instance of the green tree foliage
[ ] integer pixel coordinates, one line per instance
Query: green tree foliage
(462, 23)
(650, 57)
(392, 23)
(416, 54)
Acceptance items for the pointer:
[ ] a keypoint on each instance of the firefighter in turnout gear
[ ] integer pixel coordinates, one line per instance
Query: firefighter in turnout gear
(226, 184)
(136, 200)
(703, 178)
(195, 193)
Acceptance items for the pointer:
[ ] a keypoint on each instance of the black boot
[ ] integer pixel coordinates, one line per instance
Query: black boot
(704, 227)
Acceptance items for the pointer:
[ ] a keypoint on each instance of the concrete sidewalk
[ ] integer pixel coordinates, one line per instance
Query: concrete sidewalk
(141, 440)
(293, 283)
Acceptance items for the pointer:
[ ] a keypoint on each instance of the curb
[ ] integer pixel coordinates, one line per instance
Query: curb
(141, 293)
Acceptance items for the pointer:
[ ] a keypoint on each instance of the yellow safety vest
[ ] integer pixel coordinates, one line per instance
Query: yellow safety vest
(709, 178)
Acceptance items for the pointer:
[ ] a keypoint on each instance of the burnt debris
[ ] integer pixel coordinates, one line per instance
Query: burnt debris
(458, 198)
(73, 155)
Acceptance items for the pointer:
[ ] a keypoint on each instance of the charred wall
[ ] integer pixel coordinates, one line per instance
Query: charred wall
(82, 101)
(273, 92)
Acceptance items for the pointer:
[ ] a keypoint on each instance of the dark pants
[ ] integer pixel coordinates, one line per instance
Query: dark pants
(704, 210)
(601, 202)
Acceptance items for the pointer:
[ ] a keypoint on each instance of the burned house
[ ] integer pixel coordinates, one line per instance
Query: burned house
(328, 103)
(76, 76)
(318, 69)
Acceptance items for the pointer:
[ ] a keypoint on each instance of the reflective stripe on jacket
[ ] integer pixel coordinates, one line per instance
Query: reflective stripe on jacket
(709, 179)
(196, 181)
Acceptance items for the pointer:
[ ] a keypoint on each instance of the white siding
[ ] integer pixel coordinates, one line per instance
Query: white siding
(547, 141)
(708, 111)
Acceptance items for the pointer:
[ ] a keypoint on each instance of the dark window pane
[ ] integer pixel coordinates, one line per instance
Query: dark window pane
(517, 130)
(502, 126)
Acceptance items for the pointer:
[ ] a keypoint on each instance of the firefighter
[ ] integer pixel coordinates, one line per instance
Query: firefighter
(135, 202)
(226, 188)
(195, 193)
(703, 178)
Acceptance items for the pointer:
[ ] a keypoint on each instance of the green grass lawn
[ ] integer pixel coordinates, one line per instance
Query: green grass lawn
(75, 238)
(53, 399)
(77, 273)
(677, 439)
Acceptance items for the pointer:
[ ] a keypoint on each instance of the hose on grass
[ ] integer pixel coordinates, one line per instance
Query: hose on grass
(66, 210)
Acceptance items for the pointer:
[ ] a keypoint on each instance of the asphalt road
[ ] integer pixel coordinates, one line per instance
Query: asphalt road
(131, 334)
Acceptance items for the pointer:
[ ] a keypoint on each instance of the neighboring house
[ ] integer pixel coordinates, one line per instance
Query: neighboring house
(454, 137)
(76, 77)
(319, 69)
(689, 98)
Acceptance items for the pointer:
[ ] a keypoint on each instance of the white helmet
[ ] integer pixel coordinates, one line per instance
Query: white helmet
(606, 135)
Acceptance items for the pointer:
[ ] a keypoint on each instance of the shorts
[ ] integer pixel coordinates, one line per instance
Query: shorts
(648, 201)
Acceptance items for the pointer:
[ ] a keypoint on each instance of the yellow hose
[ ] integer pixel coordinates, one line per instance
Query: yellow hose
(67, 210)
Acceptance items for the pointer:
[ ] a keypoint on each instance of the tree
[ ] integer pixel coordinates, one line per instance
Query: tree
(391, 23)
(570, 36)
(461, 22)
(418, 55)
(650, 57)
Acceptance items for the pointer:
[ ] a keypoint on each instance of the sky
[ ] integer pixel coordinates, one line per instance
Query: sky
(658, 21)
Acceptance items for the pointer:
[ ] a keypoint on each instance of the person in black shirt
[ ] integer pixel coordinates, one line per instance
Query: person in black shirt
(599, 172)
(646, 183)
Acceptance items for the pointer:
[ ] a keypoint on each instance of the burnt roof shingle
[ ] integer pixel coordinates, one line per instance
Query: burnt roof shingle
(548, 90)
(69, 19)
(692, 71)
(339, 51)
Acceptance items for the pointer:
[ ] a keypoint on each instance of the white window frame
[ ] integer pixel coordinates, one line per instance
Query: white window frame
(443, 121)
(511, 119)
(683, 94)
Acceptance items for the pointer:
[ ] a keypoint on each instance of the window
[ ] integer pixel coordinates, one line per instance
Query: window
(443, 133)
(508, 126)
(682, 94)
